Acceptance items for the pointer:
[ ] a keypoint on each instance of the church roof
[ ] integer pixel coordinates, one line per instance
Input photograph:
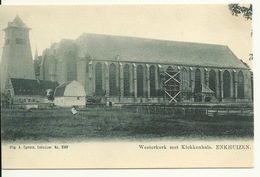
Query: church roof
(32, 87)
(17, 22)
(133, 49)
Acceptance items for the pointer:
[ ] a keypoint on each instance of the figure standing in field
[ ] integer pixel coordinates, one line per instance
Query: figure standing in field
(73, 110)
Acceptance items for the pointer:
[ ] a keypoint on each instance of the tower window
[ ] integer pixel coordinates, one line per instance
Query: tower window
(19, 41)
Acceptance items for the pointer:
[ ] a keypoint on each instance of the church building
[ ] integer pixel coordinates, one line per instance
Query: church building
(137, 70)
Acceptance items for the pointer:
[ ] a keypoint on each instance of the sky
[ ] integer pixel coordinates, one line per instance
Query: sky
(211, 24)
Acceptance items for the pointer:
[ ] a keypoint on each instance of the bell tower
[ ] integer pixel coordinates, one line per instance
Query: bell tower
(17, 55)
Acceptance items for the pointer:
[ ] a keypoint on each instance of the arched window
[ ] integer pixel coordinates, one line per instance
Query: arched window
(152, 81)
(87, 67)
(240, 85)
(71, 66)
(212, 80)
(184, 80)
(197, 80)
(126, 80)
(98, 79)
(140, 81)
(112, 80)
(226, 84)
(87, 64)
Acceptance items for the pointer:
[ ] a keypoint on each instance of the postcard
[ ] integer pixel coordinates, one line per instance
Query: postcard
(127, 86)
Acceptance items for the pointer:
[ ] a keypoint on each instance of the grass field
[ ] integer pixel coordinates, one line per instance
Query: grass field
(104, 124)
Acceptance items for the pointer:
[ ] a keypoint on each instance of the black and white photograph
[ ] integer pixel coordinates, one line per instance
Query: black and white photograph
(127, 86)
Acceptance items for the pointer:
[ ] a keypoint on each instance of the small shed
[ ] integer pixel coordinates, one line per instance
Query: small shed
(70, 94)
(205, 94)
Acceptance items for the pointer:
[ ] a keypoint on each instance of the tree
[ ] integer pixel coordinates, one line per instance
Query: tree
(246, 11)
(5, 100)
(50, 94)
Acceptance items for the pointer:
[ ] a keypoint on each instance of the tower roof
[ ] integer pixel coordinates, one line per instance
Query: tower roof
(17, 23)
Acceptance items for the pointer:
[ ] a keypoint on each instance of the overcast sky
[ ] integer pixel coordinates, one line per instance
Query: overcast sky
(211, 24)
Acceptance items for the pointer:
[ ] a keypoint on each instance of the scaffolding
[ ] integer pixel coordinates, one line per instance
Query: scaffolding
(172, 85)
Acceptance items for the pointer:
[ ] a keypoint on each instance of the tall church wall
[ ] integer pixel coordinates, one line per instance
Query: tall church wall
(204, 75)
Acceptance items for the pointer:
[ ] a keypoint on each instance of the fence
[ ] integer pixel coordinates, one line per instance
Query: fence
(33, 106)
(189, 110)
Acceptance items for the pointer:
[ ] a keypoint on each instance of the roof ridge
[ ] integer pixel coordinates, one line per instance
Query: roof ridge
(64, 84)
(144, 38)
(23, 79)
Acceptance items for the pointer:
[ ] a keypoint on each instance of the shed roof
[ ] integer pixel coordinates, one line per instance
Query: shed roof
(71, 89)
(59, 91)
(206, 89)
(32, 87)
(133, 49)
